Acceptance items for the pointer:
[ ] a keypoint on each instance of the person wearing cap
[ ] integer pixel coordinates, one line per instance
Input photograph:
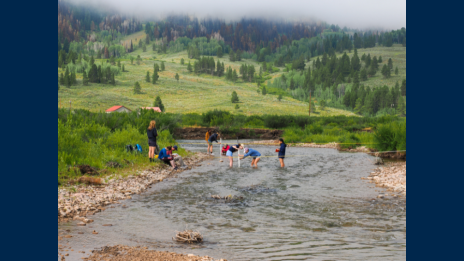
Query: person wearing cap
(230, 153)
(177, 157)
(252, 153)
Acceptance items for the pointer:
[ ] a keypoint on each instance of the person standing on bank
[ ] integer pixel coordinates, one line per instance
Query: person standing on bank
(281, 152)
(252, 153)
(212, 138)
(152, 134)
(230, 153)
(208, 134)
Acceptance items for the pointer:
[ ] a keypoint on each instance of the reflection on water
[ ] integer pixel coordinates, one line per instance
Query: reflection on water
(315, 208)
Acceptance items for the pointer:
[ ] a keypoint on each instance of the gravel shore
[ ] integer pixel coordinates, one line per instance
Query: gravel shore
(391, 176)
(88, 200)
(125, 253)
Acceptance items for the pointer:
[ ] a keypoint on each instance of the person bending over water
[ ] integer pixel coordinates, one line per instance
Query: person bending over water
(212, 138)
(252, 153)
(230, 153)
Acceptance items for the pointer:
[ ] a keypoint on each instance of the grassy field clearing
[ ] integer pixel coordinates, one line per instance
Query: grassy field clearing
(200, 93)
(193, 93)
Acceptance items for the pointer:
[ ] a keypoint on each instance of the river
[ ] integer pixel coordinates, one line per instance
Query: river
(317, 207)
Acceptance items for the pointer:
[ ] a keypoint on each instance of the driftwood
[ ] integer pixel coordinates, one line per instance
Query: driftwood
(188, 236)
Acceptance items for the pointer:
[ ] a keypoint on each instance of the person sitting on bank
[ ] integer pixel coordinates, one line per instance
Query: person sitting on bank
(212, 138)
(252, 153)
(167, 159)
(177, 157)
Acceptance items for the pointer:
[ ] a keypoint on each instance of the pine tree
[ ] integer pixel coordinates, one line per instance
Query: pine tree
(280, 97)
(182, 61)
(368, 60)
(363, 75)
(292, 84)
(189, 67)
(156, 67)
(396, 70)
(264, 91)
(123, 69)
(119, 64)
(403, 88)
(313, 107)
(144, 48)
(355, 63)
(358, 107)
(132, 59)
(356, 78)
(139, 59)
(385, 71)
(234, 76)
(158, 103)
(234, 98)
(237, 107)
(380, 59)
(402, 106)
(162, 66)
(147, 78)
(177, 77)
(137, 88)
(85, 79)
(155, 77)
(219, 52)
(231, 56)
(61, 79)
(390, 64)
(113, 81)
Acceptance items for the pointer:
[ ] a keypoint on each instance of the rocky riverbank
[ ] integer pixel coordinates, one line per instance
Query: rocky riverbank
(125, 253)
(391, 176)
(83, 201)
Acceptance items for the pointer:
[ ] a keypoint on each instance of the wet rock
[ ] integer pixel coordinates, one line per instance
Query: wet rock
(95, 232)
(81, 224)
(80, 233)
(107, 225)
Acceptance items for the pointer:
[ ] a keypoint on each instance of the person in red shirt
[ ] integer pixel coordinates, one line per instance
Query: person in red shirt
(225, 148)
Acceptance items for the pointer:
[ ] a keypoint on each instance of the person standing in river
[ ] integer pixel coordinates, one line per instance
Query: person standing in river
(281, 152)
(230, 153)
(212, 138)
(208, 134)
(152, 134)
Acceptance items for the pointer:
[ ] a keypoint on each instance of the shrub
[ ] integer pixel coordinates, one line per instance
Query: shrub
(391, 136)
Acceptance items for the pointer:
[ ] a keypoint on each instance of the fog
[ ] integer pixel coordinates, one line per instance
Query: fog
(356, 14)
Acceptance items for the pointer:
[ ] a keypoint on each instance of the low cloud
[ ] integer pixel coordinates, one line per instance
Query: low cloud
(361, 14)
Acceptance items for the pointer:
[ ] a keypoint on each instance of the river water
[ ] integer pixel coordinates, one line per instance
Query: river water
(317, 207)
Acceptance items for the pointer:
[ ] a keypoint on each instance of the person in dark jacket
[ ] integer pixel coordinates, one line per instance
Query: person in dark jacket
(230, 152)
(281, 151)
(152, 134)
(212, 138)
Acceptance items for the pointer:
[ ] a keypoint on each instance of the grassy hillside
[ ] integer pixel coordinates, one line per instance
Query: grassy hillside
(193, 93)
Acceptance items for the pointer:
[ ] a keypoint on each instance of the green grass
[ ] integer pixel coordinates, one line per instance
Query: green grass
(193, 93)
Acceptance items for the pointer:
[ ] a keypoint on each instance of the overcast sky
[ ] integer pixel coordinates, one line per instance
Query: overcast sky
(360, 14)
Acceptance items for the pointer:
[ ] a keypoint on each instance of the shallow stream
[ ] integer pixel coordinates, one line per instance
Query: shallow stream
(317, 207)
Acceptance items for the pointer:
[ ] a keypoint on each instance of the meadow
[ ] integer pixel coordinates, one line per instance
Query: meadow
(191, 94)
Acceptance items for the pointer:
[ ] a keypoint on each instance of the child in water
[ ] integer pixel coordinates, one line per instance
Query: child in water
(225, 149)
(281, 151)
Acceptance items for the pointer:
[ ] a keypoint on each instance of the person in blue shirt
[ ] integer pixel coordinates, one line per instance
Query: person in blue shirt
(281, 151)
(166, 158)
(252, 153)
(230, 152)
